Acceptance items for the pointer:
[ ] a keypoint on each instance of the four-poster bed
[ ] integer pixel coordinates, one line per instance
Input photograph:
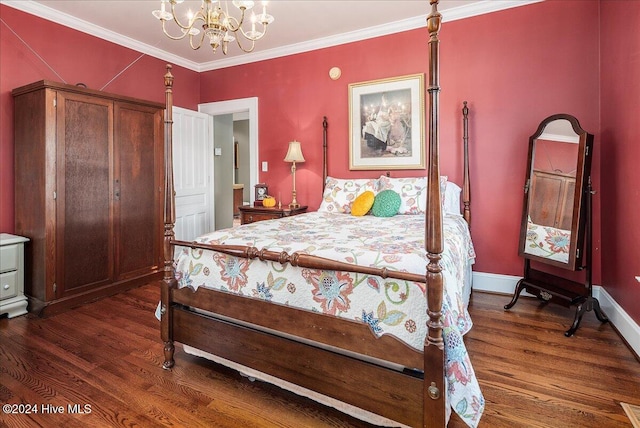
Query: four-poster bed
(338, 358)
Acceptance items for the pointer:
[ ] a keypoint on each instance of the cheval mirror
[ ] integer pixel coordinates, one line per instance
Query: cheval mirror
(556, 216)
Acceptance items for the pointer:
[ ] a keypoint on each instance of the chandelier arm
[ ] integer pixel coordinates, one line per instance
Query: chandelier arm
(166, 33)
(195, 48)
(246, 36)
(199, 16)
(253, 45)
(233, 24)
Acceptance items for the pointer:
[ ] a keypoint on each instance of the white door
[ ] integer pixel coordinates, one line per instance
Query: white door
(193, 173)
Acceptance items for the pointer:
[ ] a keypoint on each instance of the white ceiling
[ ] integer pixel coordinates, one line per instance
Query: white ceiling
(299, 26)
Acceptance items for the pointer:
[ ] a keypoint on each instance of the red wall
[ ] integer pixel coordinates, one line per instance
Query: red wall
(76, 58)
(620, 134)
(512, 72)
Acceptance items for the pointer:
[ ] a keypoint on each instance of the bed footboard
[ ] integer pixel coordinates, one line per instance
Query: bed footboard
(393, 394)
(346, 335)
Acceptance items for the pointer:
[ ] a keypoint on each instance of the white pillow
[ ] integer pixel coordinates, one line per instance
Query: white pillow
(339, 194)
(452, 199)
(412, 191)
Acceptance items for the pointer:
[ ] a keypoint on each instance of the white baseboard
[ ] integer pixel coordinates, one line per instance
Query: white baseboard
(506, 284)
(495, 283)
(627, 327)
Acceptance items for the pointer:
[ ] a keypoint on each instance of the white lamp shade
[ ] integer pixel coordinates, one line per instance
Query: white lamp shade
(294, 154)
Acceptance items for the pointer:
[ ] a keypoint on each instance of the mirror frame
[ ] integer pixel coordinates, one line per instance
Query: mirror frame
(582, 185)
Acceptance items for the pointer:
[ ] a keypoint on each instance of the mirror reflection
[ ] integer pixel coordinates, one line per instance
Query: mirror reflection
(552, 189)
(552, 216)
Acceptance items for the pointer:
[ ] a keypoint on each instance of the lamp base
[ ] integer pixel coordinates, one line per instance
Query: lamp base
(294, 205)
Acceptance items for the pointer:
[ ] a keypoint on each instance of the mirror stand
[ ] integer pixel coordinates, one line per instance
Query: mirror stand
(548, 287)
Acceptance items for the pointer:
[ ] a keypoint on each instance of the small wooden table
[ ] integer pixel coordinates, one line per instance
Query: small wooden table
(250, 214)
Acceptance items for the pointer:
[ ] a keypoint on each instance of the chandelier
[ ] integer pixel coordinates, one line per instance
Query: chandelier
(217, 24)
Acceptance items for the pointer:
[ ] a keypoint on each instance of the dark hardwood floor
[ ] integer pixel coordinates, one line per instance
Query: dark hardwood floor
(104, 359)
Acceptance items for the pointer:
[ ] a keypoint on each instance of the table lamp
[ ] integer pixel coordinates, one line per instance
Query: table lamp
(294, 154)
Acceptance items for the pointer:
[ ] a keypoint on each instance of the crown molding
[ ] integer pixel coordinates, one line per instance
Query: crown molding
(454, 14)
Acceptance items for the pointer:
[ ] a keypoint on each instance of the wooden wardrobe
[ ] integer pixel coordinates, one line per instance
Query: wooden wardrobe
(89, 192)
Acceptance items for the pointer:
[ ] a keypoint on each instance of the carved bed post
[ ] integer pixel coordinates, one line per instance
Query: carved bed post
(168, 281)
(325, 171)
(434, 386)
(466, 187)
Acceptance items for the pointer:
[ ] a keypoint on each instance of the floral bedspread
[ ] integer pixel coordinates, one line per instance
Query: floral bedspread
(389, 306)
(548, 242)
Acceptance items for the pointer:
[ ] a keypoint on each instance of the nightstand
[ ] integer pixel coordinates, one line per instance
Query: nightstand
(250, 214)
(13, 302)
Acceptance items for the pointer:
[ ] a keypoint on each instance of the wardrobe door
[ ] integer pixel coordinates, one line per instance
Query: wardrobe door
(84, 244)
(138, 189)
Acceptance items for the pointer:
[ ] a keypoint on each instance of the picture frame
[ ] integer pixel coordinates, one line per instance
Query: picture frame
(386, 123)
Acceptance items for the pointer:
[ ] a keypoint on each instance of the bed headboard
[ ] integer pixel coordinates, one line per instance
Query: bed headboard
(466, 184)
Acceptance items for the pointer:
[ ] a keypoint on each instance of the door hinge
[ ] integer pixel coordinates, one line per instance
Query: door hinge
(55, 102)
(577, 253)
(55, 288)
(55, 195)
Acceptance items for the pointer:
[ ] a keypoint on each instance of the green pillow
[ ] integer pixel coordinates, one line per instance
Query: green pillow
(386, 204)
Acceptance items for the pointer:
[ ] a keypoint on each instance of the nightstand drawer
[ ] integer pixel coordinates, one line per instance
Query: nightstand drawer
(8, 258)
(253, 217)
(8, 283)
(250, 214)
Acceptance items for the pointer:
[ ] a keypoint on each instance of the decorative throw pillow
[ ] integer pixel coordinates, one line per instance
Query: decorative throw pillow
(363, 203)
(386, 204)
(339, 193)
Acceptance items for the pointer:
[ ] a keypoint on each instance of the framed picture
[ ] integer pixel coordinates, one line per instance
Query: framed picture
(386, 123)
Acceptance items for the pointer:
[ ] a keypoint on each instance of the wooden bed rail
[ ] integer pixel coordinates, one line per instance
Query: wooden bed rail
(301, 260)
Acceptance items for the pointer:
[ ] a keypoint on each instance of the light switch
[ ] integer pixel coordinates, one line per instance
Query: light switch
(217, 151)
(265, 166)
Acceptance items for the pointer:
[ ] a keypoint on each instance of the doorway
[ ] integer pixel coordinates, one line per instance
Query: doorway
(224, 114)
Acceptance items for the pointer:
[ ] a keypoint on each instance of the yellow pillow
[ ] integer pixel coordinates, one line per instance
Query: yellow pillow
(363, 203)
